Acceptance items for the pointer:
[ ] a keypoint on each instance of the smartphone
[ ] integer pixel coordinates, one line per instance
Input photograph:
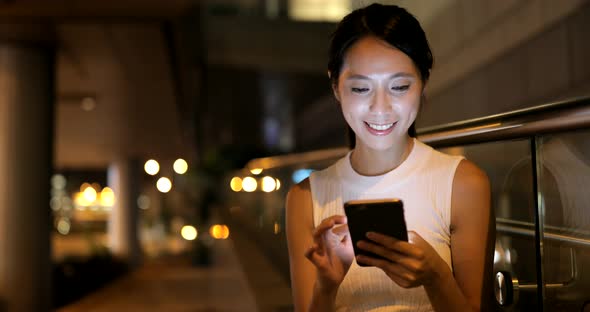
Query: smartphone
(385, 216)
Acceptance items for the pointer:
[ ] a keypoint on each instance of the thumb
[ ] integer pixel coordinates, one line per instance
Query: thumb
(414, 237)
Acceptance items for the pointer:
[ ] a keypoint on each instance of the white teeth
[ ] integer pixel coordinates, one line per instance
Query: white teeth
(380, 127)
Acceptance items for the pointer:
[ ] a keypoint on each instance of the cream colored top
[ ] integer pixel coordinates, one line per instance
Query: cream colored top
(424, 183)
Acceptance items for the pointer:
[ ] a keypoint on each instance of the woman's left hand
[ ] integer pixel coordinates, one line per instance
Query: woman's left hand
(410, 264)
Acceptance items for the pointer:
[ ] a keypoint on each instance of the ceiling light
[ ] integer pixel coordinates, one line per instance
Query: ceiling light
(88, 104)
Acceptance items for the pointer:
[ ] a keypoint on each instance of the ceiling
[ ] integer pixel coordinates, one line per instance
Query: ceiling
(144, 64)
(125, 68)
(115, 53)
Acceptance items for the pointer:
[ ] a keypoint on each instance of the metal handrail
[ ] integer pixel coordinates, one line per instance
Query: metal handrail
(550, 234)
(549, 118)
(525, 123)
(299, 158)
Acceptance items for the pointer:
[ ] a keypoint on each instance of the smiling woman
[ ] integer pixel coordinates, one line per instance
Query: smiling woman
(403, 34)
(379, 90)
(379, 64)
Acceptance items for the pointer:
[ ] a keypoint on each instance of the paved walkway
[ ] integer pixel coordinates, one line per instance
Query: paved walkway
(173, 284)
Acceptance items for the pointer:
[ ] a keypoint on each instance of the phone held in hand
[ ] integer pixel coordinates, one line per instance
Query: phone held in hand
(384, 216)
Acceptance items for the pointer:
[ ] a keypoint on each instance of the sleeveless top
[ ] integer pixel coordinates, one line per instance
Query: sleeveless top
(424, 183)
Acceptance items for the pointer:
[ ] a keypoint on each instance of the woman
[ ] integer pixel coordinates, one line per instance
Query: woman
(379, 64)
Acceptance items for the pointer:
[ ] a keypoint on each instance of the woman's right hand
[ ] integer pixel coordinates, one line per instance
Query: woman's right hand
(331, 253)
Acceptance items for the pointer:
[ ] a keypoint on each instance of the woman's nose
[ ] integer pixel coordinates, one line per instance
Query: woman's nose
(380, 103)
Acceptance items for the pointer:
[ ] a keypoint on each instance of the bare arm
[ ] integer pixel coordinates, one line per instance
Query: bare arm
(319, 257)
(299, 226)
(307, 253)
(472, 240)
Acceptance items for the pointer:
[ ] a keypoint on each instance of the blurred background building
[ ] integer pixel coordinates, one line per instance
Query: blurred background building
(92, 90)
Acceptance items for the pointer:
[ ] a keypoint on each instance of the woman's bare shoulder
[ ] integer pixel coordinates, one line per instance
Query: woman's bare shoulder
(471, 192)
(299, 198)
(301, 187)
(469, 177)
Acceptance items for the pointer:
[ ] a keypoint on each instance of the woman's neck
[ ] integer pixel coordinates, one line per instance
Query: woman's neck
(369, 162)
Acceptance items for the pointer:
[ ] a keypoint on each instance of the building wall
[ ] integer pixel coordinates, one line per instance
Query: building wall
(490, 57)
(547, 65)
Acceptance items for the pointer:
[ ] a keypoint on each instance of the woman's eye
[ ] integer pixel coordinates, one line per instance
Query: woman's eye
(359, 90)
(400, 88)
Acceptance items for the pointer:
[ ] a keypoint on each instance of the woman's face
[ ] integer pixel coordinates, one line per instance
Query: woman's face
(379, 89)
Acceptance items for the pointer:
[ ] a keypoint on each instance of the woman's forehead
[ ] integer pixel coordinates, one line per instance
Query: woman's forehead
(371, 56)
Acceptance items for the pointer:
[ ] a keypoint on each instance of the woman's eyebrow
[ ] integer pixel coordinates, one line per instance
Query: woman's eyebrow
(357, 77)
(396, 75)
(402, 75)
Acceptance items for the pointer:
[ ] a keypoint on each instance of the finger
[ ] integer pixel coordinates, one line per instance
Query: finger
(393, 244)
(387, 266)
(309, 251)
(316, 248)
(340, 232)
(327, 224)
(422, 246)
(340, 229)
(382, 251)
(396, 272)
(415, 238)
(312, 255)
(382, 239)
(408, 262)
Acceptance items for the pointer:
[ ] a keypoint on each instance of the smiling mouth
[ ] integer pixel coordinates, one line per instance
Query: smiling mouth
(377, 127)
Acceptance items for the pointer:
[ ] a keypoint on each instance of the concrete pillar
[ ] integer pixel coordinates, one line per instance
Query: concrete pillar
(27, 90)
(123, 239)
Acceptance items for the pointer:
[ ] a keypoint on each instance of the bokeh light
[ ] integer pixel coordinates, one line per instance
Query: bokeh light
(180, 166)
(164, 185)
(278, 184)
(107, 197)
(63, 226)
(80, 200)
(88, 104)
(249, 184)
(151, 167)
(219, 231)
(96, 186)
(84, 186)
(89, 194)
(189, 232)
(256, 171)
(143, 202)
(55, 203)
(269, 184)
(58, 181)
(236, 184)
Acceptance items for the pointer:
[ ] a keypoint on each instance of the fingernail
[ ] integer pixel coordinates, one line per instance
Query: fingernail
(370, 234)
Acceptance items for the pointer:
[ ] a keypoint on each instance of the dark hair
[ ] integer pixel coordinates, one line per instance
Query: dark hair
(390, 23)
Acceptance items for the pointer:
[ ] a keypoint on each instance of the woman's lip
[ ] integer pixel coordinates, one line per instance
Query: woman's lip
(379, 132)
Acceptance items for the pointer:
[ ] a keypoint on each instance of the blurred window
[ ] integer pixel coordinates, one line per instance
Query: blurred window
(319, 10)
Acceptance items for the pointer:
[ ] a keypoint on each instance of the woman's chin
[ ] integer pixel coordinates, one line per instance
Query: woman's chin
(379, 146)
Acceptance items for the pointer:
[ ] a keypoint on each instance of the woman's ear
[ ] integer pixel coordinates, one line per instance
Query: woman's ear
(334, 87)
(422, 101)
(335, 91)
